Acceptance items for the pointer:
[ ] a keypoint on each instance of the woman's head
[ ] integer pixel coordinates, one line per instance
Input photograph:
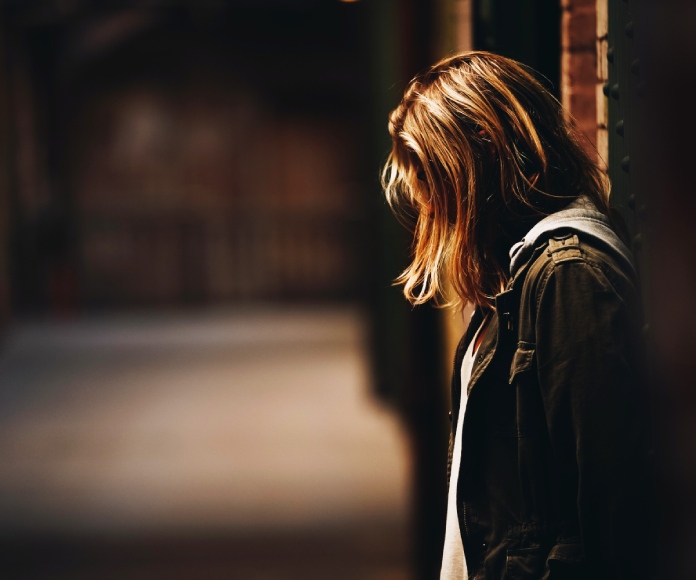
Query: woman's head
(480, 151)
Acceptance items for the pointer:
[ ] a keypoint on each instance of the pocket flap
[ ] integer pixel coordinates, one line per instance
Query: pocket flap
(522, 361)
(570, 553)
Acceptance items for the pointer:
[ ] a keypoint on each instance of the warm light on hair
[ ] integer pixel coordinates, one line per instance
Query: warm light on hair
(480, 152)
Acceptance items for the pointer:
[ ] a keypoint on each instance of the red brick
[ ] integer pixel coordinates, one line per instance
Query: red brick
(582, 69)
(578, 4)
(579, 29)
(583, 106)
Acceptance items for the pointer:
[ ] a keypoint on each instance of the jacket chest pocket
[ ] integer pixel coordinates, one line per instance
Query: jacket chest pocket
(503, 409)
(522, 361)
(530, 417)
(524, 564)
(565, 561)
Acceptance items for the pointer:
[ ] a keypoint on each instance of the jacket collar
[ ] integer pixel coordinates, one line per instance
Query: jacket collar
(579, 216)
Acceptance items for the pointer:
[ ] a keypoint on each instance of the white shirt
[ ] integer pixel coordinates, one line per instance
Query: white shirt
(453, 561)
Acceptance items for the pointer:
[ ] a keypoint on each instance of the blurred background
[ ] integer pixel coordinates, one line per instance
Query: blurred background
(205, 371)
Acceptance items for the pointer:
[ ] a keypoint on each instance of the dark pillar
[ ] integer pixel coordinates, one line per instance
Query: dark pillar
(407, 343)
(668, 152)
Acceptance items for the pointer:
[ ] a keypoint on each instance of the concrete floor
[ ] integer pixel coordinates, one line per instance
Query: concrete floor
(236, 423)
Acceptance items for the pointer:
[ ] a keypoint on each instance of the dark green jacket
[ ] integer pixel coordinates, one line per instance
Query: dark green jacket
(555, 481)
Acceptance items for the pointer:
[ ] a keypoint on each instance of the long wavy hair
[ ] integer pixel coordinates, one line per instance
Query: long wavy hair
(480, 152)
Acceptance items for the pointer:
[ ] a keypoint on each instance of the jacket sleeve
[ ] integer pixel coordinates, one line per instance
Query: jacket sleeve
(595, 406)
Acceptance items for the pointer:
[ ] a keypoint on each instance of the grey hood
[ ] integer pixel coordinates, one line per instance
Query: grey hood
(582, 217)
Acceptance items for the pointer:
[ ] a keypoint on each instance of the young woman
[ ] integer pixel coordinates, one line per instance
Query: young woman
(549, 474)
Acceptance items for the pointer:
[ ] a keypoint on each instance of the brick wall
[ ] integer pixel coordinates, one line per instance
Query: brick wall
(583, 68)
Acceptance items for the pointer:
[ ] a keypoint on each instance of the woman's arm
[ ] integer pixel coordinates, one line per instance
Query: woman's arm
(595, 403)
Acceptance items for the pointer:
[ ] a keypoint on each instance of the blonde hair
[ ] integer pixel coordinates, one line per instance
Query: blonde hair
(480, 151)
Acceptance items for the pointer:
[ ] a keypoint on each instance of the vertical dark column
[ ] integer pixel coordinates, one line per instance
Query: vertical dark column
(667, 175)
(527, 30)
(424, 405)
(407, 342)
(620, 89)
(4, 178)
(626, 89)
(652, 126)
(42, 280)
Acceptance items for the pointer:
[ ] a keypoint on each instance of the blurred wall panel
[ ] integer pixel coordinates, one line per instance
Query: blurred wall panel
(188, 153)
(206, 194)
(4, 180)
(193, 152)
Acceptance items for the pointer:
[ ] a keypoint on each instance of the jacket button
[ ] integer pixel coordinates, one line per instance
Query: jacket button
(450, 416)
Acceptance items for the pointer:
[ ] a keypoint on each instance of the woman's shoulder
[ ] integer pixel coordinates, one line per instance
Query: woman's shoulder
(574, 259)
